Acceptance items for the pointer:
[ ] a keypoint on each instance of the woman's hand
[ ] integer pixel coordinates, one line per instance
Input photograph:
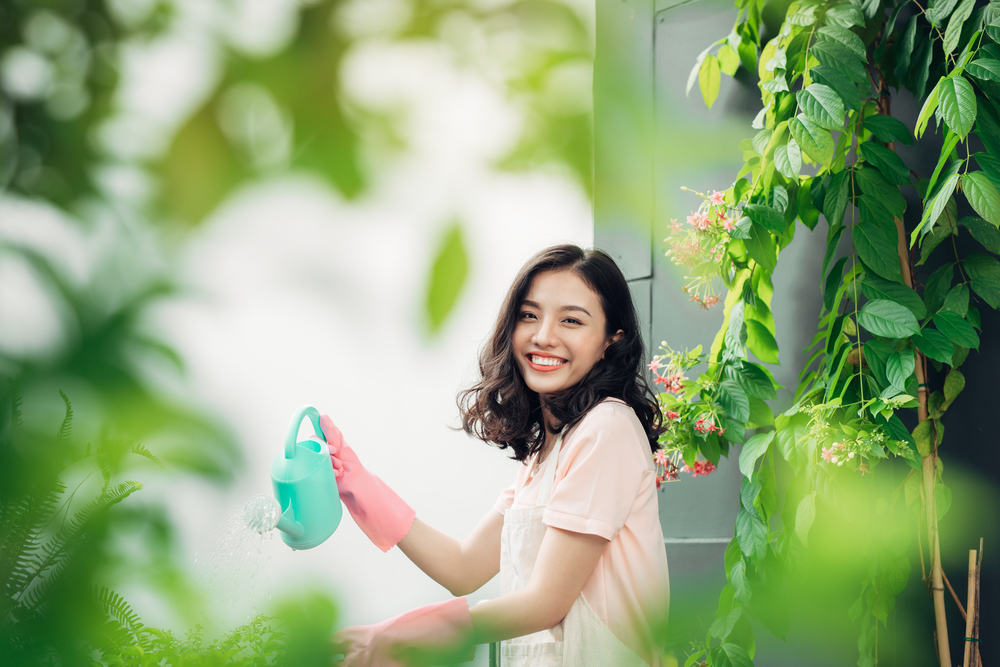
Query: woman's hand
(378, 511)
(435, 634)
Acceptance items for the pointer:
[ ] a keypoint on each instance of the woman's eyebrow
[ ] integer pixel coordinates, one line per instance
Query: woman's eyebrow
(581, 309)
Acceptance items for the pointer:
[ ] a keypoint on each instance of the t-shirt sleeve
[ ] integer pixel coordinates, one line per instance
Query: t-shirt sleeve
(506, 498)
(599, 475)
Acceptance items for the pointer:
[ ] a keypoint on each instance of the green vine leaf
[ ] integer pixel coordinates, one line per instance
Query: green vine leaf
(876, 246)
(729, 655)
(738, 578)
(982, 231)
(840, 82)
(899, 368)
(886, 161)
(957, 105)
(845, 15)
(937, 205)
(957, 329)
(875, 287)
(877, 353)
(935, 345)
(848, 38)
(957, 300)
(805, 514)
(751, 533)
(789, 430)
(985, 69)
(761, 342)
(930, 106)
(788, 159)
(984, 276)
(839, 57)
(765, 216)
(904, 48)
(874, 184)
(888, 319)
(812, 139)
(754, 448)
(734, 400)
(888, 129)
(923, 435)
(953, 386)
(709, 80)
(983, 196)
(945, 225)
(822, 105)
(835, 201)
(955, 23)
(761, 248)
(832, 285)
(756, 382)
(938, 10)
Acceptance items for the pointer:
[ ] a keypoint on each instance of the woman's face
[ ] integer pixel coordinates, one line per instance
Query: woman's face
(560, 332)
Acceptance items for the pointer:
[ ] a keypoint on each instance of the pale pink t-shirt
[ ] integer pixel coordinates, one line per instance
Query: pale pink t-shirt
(606, 485)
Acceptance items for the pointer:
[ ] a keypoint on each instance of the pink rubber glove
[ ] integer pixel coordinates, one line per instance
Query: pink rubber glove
(437, 634)
(378, 511)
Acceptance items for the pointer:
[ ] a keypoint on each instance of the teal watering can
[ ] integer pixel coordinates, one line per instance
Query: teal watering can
(305, 487)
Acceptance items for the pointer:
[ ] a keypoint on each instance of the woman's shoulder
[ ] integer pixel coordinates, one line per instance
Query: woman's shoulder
(614, 414)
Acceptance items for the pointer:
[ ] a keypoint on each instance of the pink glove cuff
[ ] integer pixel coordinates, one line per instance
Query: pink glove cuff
(383, 516)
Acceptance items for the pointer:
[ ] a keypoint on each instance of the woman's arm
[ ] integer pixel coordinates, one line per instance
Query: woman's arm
(461, 567)
(565, 562)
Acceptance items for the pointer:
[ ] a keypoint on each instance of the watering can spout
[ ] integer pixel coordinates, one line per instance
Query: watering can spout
(288, 525)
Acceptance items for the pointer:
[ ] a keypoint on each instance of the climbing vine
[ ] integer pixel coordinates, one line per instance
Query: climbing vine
(825, 147)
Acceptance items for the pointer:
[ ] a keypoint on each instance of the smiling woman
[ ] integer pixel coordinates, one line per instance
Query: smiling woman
(576, 538)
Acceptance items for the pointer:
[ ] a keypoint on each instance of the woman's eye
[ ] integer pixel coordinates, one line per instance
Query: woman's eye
(525, 316)
(572, 321)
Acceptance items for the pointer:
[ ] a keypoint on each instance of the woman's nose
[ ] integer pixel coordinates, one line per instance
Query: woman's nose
(544, 334)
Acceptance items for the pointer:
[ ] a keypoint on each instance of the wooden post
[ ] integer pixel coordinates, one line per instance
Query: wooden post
(970, 618)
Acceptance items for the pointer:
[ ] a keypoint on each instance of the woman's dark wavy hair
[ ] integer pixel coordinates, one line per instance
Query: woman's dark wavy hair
(501, 409)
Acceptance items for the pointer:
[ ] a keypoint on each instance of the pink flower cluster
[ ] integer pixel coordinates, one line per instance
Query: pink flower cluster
(706, 426)
(666, 469)
(672, 383)
(671, 415)
(703, 468)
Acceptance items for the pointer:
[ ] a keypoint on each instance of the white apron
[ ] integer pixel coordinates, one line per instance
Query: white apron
(581, 639)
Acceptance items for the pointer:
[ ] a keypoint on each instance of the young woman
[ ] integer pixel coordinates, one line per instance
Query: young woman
(576, 538)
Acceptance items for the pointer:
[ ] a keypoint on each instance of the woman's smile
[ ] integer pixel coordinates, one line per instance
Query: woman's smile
(544, 363)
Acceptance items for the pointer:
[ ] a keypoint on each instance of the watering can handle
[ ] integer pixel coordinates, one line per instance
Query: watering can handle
(293, 428)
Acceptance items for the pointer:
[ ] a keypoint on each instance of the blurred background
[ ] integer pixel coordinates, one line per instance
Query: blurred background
(215, 211)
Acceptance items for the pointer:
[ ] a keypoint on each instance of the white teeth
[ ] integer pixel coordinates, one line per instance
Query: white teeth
(546, 361)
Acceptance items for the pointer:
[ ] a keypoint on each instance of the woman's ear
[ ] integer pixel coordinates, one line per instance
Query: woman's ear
(618, 335)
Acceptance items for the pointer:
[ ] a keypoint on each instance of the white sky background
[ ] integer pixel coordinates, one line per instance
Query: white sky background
(297, 296)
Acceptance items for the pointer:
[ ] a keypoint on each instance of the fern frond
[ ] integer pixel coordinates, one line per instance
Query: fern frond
(15, 405)
(67, 424)
(140, 449)
(116, 608)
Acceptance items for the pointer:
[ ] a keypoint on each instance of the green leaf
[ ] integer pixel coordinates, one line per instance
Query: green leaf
(953, 386)
(942, 499)
(767, 217)
(954, 30)
(904, 48)
(934, 345)
(888, 319)
(938, 285)
(756, 382)
(761, 342)
(957, 300)
(734, 400)
(887, 162)
(835, 202)
(722, 626)
(832, 285)
(729, 60)
(986, 69)
(805, 514)
(789, 430)
(899, 368)
(983, 196)
(877, 249)
(729, 655)
(751, 533)
(926, 111)
(951, 140)
(839, 57)
(875, 287)
(709, 80)
(958, 331)
(873, 183)
(448, 276)
(984, 275)
(754, 448)
(984, 232)
(923, 435)
(738, 578)
(937, 205)
(957, 100)
(848, 38)
(840, 82)
(845, 15)
(921, 65)
(822, 105)
(877, 353)
(939, 10)
(812, 139)
(888, 129)
(788, 159)
(760, 246)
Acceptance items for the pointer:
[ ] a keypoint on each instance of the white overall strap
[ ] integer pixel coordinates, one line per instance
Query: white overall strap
(549, 475)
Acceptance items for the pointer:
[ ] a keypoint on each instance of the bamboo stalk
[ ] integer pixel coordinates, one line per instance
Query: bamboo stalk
(978, 660)
(970, 619)
(953, 594)
(929, 470)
